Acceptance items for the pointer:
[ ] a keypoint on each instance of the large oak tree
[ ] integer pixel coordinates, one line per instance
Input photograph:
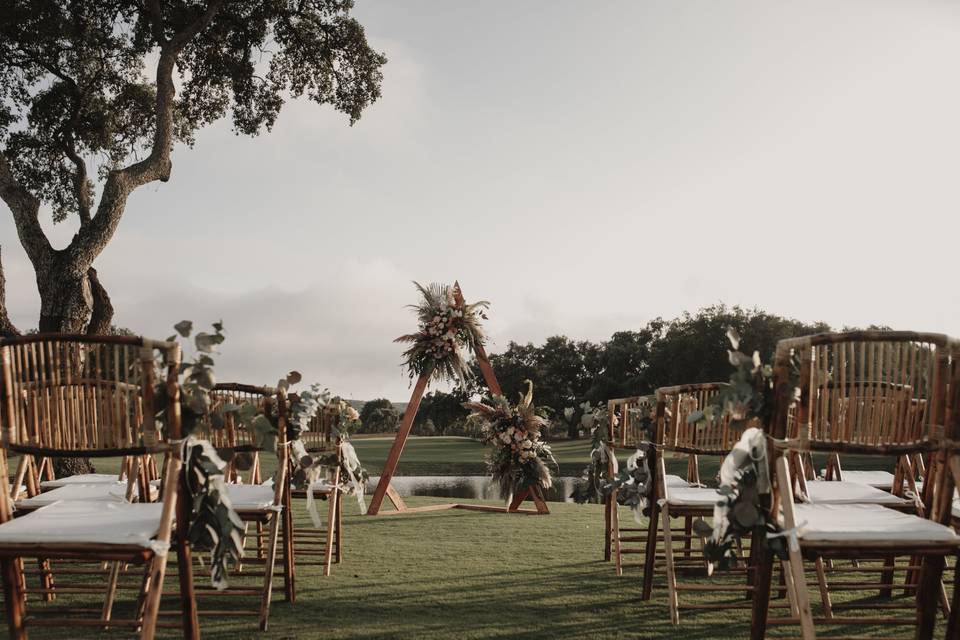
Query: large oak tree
(89, 110)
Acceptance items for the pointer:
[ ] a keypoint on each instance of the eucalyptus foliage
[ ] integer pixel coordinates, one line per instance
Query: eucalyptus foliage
(448, 329)
(214, 524)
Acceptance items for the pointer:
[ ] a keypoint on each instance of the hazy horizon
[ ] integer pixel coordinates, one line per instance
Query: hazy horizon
(585, 168)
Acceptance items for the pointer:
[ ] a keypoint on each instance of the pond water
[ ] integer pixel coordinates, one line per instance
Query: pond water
(478, 487)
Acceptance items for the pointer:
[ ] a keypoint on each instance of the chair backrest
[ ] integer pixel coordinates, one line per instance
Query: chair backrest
(319, 435)
(676, 433)
(867, 392)
(232, 435)
(93, 396)
(625, 420)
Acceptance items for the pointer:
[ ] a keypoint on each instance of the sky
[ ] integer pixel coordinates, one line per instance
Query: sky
(585, 167)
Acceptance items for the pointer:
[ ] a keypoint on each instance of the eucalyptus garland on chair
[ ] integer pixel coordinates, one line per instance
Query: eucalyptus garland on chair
(519, 458)
(308, 469)
(448, 328)
(214, 524)
(744, 474)
(633, 483)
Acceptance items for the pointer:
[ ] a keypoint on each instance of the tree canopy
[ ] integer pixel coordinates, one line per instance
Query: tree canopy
(80, 117)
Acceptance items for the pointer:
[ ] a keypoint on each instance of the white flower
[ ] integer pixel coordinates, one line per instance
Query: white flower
(568, 413)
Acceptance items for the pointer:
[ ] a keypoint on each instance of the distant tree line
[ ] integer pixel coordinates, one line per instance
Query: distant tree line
(567, 373)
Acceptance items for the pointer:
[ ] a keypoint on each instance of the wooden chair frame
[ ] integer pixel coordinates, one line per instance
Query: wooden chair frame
(325, 544)
(273, 523)
(622, 434)
(92, 419)
(930, 359)
(675, 435)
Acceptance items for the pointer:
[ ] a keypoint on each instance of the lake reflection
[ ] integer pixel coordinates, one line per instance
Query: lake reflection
(478, 487)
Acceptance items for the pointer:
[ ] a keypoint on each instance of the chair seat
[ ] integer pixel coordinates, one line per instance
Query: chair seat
(78, 522)
(869, 523)
(321, 486)
(114, 492)
(675, 481)
(251, 496)
(876, 479)
(692, 496)
(82, 478)
(846, 492)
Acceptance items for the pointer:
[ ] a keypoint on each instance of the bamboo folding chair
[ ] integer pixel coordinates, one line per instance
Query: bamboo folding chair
(266, 506)
(677, 436)
(625, 433)
(324, 546)
(85, 396)
(852, 402)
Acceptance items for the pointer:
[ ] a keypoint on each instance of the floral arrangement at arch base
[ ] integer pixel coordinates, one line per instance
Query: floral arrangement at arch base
(518, 459)
(448, 329)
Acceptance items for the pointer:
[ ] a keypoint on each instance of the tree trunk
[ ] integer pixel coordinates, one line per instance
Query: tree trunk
(72, 300)
(63, 467)
(66, 297)
(6, 327)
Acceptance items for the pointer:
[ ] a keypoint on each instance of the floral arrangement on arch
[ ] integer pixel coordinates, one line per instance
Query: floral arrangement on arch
(519, 459)
(448, 329)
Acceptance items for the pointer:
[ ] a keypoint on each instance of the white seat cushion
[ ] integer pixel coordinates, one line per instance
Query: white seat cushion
(82, 478)
(836, 492)
(692, 496)
(85, 522)
(322, 486)
(250, 496)
(867, 522)
(675, 481)
(878, 479)
(114, 492)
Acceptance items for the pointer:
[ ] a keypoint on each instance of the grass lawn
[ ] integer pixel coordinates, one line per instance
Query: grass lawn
(473, 575)
(436, 455)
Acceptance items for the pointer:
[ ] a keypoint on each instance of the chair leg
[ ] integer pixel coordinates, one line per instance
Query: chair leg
(650, 555)
(824, 589)
(339, 539)
(786, 576)
(268, 569)
(797, 579)
(953, 620)
(14, 601)
(607, 528)
(109, 597)
(46, 579)
(671, 576)
(614, 536)
(887, 577)
(762, 578)
(931, 571)
(289, 566)
(158, 567)
(331, 523)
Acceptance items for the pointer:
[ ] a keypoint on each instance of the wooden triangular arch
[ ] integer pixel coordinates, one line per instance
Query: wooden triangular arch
(385, 489)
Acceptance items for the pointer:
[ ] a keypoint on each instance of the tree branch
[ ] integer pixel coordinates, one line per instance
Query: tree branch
(6, 327)
(102, 315)
(25, 208)
(93, 237)
(81, 187)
